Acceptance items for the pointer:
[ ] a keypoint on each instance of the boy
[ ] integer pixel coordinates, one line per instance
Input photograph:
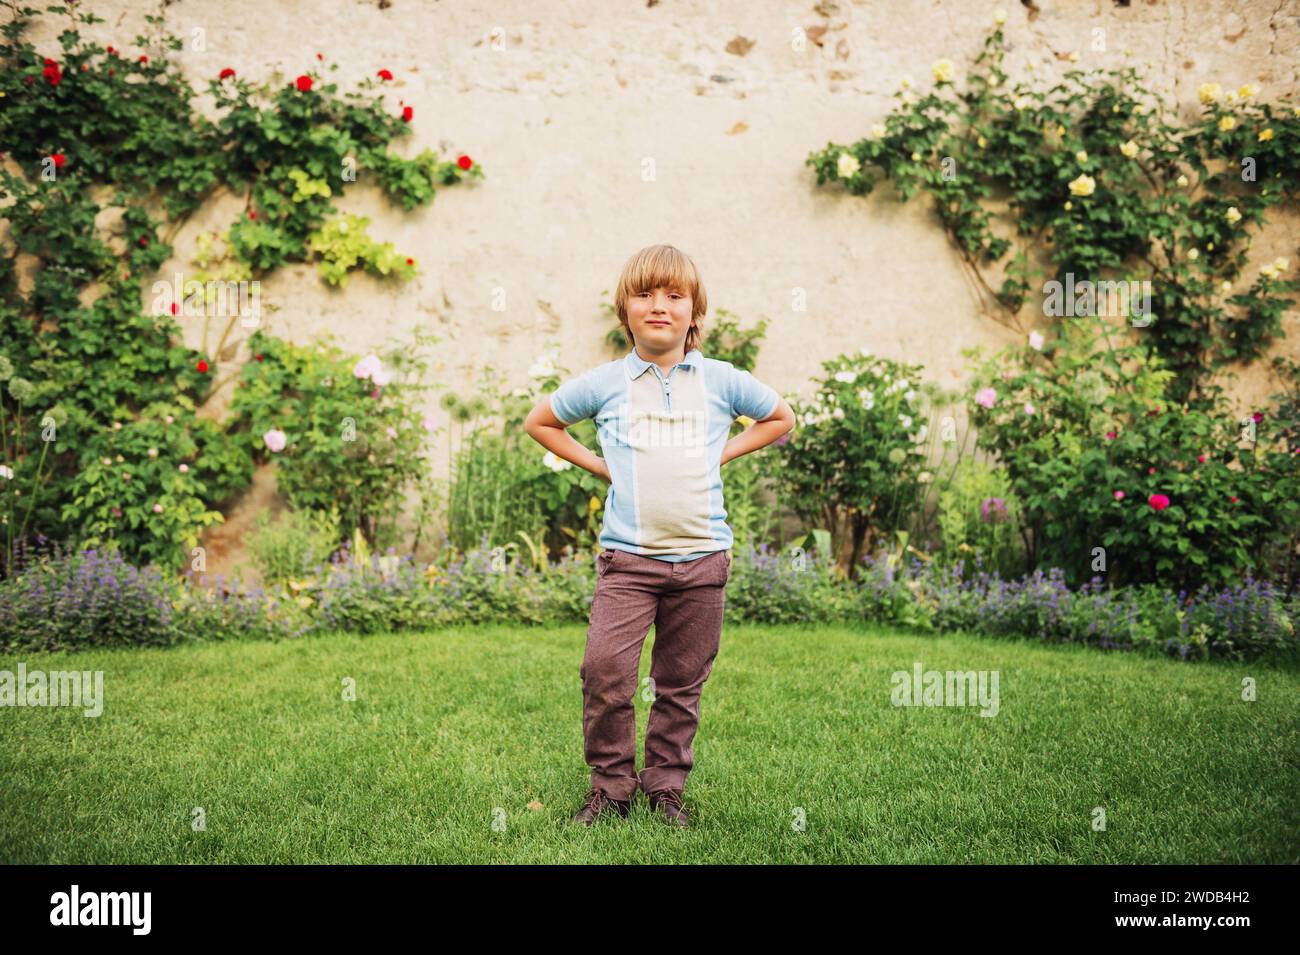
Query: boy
(662, 414)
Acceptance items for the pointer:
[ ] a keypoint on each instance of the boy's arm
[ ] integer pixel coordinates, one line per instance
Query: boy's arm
(552, 434)
(761, 434)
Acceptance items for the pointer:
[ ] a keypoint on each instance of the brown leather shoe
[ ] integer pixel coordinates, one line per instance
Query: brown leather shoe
(668, 802)
(598, 803)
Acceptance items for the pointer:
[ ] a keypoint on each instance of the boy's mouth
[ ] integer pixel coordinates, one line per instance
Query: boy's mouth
(660, 323)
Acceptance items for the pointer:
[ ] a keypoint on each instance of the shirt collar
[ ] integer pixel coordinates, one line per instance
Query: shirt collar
(636, 364)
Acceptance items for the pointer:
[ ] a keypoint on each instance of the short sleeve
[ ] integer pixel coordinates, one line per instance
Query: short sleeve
(577, 398)
(751, 397)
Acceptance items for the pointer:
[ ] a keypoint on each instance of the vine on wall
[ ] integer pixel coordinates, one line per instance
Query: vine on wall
(105, 160)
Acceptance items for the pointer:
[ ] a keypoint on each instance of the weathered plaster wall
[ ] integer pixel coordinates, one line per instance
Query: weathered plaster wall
(562, 101)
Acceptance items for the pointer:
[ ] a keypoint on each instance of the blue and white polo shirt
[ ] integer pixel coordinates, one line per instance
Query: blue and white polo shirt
(662, 440)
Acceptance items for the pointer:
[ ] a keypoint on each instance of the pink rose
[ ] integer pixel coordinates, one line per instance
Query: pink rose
(1119, 495)
(986, 397)
(1029, 409)
(157, 508)
(1158, 501)
(275, 439)
(429, 424)
(1200, 458)
(392, 432)
(1036, 341)
(370, 367)
(185, 469)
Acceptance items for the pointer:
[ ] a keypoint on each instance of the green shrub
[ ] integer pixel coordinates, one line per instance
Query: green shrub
(978, 515)
(294, 545)
(1113, 478)
(349, 443)
(855, 461)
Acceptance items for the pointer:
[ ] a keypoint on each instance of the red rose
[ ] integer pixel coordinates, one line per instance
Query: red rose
(224, 73)
(1200, 458)
(252, 213)
(320, 56)
(1151, 470)
(1233, 499)
(464, 162)
(49, 62)
(304, 83)
(144, 59)
(407, 113)
(385, 74)
(259, 357)
(144, 241)
(1158, 501)
(1110, 435)
(59, 160)
(29, 80)
(110, 51)
(173, 308)
(202, 366)
(1257, 417)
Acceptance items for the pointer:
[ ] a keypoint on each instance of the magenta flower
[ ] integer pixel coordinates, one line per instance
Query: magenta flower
(1119, 495)
(992, 509)
(1111, 435)
(1158, 501)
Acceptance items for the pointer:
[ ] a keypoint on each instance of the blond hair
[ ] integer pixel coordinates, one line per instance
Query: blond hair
(665, 265)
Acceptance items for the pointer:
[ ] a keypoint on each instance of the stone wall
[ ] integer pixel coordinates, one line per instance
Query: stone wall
(562, 102)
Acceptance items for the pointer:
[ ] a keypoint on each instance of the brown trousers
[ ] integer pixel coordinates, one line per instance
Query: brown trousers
(685, 601)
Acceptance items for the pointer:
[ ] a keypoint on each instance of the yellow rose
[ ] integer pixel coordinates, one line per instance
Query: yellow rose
(1232, 215)
(1231, 96)
(1265, 135)
(1081, 155)
(1068, 205)
(1208, 92)
(916, 157)
(1193, 255)
(1060, 130)
(1129, 149)
(982, 142)
(1225, 287)
(1247, 90)
(1021, 102)
(877, 130)
(1083, 186)
(1281, 264)
(942, 70)
(1182, 182)
(847, 165)
(1227, 123)
(905, 82)
(999, 16)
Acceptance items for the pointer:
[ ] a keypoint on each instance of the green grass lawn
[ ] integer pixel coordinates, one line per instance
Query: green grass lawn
(450, 729)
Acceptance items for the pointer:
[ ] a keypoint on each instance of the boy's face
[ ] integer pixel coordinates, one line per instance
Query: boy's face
(660, 319)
